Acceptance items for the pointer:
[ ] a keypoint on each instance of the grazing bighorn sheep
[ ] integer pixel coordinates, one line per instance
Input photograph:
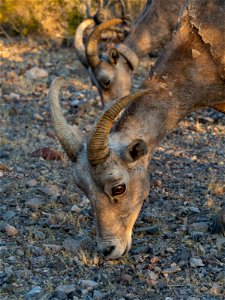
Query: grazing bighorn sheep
(111, 165)
(103, 14)
(150, 31)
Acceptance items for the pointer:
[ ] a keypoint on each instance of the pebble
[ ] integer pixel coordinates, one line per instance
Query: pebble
(59, 295)
(31, 183)
(67, 289)
(34, 293)
(11, 230)
(152, 275)
(97, 295)
(38, 117)
(194, 209)
(153, 197)
(171, 270)
(215, 289)
(72, 245)
(126, 278)
(9, 215)
(199, 227)
(13, 95)
(196, 262)
(50, 190)
(84, 202)
(88, 283)
(34, 203)
(36, 73)
(76, 209)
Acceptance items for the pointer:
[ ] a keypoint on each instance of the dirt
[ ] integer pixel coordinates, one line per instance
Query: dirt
(47, 231)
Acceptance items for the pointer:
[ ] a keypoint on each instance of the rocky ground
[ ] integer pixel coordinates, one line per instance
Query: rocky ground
(47, 232)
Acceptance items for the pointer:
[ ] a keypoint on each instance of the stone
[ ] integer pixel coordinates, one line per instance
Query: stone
(152, 275)
(215, 289)
(15, 96)
(67, 289)
(11, 230)
(126, 278)
(72, 245)
(31, 183)
(171, 270)
(59, 295)
(97, 295)
(34, 203)
(50, 190)
(199, 227)
(194, 209)
(34, 293)
(88, 283)
(36, 73)
(9, 215)
(196, 262)
(76, 209)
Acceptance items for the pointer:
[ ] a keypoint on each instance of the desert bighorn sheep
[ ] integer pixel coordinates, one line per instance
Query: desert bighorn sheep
(150, 31)
(111, 165)
(103, 14)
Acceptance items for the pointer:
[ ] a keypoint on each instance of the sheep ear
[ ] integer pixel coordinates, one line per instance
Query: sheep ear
(114, 56)
(135, 150)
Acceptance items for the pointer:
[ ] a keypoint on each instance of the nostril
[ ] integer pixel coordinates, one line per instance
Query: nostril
(108, 250)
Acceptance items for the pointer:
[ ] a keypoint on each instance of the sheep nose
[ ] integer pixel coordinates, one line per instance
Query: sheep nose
(108, 250)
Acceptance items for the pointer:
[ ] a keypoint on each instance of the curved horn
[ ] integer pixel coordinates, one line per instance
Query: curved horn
(92, 44)
(129, 55)
(98, 149)
(78, 41)
(68, 136)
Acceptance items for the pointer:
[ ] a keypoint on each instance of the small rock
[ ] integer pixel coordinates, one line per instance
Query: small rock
(220, 241)
(126, 278)
(194, 209)
(67, 289)
(153, 197)
(84, 202)
(31, 183)
(34, 293)
(38, 117)
(88, 283)
(20, 252)
(9, 215)
(11, 230)
(171, 270)
(76, 209)
(199, 227)
(36, 73)
(97, 295)
(152, 275)
(215, 289)
(72, 245)
(59, 295)
(14, 96)
(196, 262)
(50, 190)
(34, 203)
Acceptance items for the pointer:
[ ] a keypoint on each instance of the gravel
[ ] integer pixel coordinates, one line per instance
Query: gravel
(47, 229)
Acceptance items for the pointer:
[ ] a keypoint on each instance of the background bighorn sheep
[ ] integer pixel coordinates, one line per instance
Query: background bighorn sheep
(149, 32)
(113, 34)
(111, 165)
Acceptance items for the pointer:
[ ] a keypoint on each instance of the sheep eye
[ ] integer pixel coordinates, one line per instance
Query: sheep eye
(118, 189)
(106, 83)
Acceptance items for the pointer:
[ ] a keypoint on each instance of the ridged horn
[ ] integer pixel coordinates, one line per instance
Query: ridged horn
(68, 136)
(79, 43)
(92, 43)
(129, 55)
(98, 149)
